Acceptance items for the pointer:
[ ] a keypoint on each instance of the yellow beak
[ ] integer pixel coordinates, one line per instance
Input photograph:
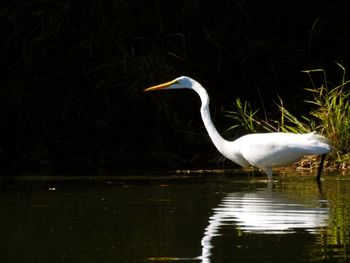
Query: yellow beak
(160, 86)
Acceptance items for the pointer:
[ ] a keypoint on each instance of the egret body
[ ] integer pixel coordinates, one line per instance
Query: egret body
(262, 150)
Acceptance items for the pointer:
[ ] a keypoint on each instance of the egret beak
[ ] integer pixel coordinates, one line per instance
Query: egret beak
(160, 86)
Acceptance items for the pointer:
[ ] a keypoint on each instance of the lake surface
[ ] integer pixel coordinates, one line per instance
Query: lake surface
(196, 218)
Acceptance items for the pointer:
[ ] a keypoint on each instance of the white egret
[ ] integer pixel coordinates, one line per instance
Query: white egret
(262, 150)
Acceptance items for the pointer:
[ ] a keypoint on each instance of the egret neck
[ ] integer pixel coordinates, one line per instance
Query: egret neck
(214, 135)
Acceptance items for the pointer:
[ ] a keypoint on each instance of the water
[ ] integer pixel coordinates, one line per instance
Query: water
(212, 218)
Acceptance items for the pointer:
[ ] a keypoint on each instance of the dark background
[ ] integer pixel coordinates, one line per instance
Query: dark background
(72, 75)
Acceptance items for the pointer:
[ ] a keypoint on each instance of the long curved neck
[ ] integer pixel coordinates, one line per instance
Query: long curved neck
(214, 135)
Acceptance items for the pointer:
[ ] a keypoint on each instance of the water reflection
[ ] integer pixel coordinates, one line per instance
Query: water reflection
(264, 212)
(198, 219)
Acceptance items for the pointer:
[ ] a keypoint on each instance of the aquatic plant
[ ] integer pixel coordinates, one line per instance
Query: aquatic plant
(330, 116)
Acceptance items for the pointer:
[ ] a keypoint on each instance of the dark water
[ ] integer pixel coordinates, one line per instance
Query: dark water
(212, 218)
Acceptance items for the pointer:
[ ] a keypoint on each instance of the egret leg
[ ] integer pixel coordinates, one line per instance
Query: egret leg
(268, 171)
(320, 167)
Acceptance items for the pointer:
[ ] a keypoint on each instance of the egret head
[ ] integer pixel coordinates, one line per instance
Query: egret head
(178, 83)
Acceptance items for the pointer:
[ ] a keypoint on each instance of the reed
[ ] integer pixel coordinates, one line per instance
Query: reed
(330, 116)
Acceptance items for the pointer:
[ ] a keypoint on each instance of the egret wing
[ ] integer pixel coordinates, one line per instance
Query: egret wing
(279, 149)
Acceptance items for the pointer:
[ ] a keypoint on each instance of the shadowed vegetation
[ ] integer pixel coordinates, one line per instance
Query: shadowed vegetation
(73, 72)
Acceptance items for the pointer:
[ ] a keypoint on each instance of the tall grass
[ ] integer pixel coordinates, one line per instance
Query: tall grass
(330, 116)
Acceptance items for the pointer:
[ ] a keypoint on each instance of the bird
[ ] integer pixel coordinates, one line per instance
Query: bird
(261, 150)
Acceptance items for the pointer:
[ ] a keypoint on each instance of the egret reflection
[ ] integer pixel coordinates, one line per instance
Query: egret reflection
(263, 212)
